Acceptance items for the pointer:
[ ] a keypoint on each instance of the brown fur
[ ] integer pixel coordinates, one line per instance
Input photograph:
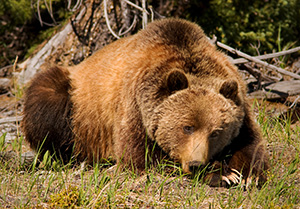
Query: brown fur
(166, 85)
(47, 113)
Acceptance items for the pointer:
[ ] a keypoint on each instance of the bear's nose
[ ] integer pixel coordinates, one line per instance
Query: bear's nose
(195, 166)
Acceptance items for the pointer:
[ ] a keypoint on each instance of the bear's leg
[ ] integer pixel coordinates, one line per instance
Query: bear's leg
(248, 159)
(251, 159)
(134, 148)
(129, 144)
(47, 112)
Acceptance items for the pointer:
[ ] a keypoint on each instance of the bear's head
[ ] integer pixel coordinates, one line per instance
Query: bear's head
(193, 124)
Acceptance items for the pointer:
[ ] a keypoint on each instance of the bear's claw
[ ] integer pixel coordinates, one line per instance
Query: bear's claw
(230, 177)
(249, 180)
(234, 176)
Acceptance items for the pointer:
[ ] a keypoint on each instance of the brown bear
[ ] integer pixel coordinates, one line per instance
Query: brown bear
(165, 89)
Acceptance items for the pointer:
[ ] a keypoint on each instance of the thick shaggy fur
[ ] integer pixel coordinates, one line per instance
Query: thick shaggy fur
(47, 113)
(166, 90)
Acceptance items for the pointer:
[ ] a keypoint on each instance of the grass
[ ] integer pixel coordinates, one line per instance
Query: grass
(54, 185)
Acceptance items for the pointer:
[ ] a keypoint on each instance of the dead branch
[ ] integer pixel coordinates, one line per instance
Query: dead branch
(50, 11)
(145, 13)
(107, 20)
(5, 68)
(142, 9)
(268, 56)
(77, 5)
(14, 119)
(253, 59)
(258, 74)
(125, 15)
(39, 13)
(294, 103)
(137, 7)
(152, 13)
(121, 33)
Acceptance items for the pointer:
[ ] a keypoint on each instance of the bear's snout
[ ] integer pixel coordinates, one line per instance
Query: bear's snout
(195, 166)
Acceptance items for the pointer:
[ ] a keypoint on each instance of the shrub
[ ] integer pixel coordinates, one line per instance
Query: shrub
(272, 24)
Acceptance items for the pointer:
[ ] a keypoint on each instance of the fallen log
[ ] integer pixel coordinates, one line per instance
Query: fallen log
(33, 64)
(282, 89)
(253, 59)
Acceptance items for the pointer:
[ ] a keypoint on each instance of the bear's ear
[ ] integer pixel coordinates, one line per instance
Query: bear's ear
(176, 81)
(229, 90)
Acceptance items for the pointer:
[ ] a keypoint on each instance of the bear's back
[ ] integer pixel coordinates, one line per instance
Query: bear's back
(120, 73)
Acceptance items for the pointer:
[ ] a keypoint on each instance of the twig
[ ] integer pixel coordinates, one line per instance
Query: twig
(11, 119)
(213, 40)
(50, 11)
(145, 17)
(268, 56)
(6, 67)
(256, 47)
(77, 5)
(39, 13)
(152, 13)
(131, 26)
(293, 104)
(258, 75)
(107, 20)
(136, 6)
(40, 17)
(125, 11)
(239, 53)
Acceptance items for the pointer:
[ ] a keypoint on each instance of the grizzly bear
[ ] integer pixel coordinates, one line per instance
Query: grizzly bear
(165, 89)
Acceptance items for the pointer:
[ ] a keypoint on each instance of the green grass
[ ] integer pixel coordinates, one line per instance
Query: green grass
(51, 184)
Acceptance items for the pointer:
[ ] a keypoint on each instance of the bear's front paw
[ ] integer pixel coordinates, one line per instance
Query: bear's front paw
(223, 176)
(231, 177)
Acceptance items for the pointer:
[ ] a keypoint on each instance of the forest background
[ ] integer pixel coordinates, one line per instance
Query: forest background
(254, 26)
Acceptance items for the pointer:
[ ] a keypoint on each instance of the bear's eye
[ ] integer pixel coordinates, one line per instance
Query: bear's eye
(188, 130)
(215, 134)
